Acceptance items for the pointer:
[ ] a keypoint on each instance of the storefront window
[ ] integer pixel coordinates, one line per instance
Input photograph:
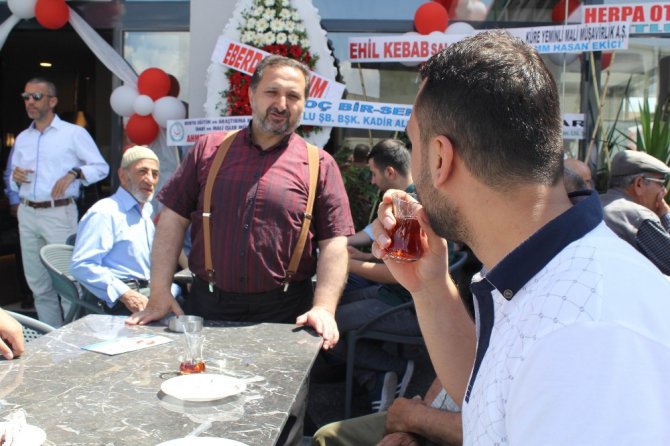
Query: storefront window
(168, 51)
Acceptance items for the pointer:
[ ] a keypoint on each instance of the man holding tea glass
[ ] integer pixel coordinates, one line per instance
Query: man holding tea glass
(565, 348)
(258, 202)
(51, 160)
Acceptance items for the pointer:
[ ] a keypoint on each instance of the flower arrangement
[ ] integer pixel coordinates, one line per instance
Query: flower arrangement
(275, 27)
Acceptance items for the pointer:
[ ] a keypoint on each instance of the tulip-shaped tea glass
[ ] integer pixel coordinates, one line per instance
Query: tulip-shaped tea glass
(406, 235)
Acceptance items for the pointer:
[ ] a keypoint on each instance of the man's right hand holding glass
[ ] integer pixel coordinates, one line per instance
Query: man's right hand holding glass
(431, 271)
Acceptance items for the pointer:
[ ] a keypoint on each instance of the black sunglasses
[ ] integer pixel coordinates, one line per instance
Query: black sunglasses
(36, 96)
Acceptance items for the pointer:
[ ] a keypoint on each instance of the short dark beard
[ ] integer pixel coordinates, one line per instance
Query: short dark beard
(444, 217)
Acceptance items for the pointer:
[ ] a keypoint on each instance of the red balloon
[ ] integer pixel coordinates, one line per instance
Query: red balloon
(447, 4)
(558, 13)
(52, 14)
(174, 86)
(141, 130)
(154, 83)
(430, 17)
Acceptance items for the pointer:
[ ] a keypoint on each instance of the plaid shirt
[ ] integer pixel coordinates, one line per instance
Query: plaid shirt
(653, 240)
(258, 202)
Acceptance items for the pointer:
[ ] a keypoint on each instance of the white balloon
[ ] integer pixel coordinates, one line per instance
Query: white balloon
(558, 58)
(143, 105)
(477, 11)
(24, 9)
(463, 9)
(167, 108)
(460, 28)
(122, 99)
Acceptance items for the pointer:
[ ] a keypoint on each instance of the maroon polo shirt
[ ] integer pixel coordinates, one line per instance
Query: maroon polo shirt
(258, 202)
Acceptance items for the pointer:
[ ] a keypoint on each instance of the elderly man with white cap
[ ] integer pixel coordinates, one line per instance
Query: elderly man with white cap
(635, 207)
(111, 257)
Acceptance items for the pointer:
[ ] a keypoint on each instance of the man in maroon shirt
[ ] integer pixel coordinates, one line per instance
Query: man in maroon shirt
(258, 201)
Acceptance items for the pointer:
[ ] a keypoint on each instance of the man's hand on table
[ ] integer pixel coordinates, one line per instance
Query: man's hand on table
(11, 336)
(323, 322)
(158, 306)
(134, 301)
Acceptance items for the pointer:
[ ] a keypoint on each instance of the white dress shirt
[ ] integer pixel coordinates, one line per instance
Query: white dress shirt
(51, 154)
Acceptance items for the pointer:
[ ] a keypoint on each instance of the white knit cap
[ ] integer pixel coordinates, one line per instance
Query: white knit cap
(137, 153)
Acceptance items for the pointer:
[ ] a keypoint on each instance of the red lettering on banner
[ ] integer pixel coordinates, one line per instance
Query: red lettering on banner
(255, 61)
(353, 51)
(240, 57)
(424, 49)
(317, 87)
(245, 63)
(405, 49)
(363, 51)
(656, 13)
(614, 14)
(229, 58)
(388, 50)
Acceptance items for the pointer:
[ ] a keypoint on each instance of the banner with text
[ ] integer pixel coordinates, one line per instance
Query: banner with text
(318, 112)
(185, 132)
(573, 126)
(645, 18)
(244, 58)
(345, 114)
(546, 39)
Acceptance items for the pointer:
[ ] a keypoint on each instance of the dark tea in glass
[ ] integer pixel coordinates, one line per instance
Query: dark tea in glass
(406, 235)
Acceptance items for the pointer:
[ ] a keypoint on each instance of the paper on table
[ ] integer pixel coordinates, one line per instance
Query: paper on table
(127, 344)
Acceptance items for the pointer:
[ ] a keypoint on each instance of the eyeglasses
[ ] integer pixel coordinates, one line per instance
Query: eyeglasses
(662, 181)
(36, 96)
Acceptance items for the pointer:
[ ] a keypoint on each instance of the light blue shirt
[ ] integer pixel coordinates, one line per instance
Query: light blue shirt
(114, 241)
(51, 154)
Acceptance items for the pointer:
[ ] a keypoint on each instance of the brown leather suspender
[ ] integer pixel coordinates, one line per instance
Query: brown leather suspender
(313, 159)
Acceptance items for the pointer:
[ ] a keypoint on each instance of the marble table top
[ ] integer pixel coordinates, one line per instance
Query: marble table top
(81, 397)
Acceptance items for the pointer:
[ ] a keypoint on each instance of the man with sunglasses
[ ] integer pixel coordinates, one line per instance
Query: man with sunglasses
(635, 206)
(51, 159)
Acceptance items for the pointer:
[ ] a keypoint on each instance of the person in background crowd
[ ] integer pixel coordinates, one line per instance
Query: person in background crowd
(114, 238)
(573, 181)
(361, 153)
(52, 158)
(259, 200)
(635, 207)
(563, 332)
(389, 163)
(433, 420)
(11, 336)
(581, 169)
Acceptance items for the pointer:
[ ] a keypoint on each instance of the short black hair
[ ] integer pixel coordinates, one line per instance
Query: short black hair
(391, 152)
(494, 98)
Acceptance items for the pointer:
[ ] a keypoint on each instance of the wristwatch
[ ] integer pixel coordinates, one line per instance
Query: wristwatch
(76, 171)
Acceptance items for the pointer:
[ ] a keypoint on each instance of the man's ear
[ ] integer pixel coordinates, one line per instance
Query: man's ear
(442, 164)
(635, 188)
(389, 172)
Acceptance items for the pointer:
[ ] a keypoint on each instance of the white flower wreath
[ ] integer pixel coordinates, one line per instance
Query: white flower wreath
(296, 23)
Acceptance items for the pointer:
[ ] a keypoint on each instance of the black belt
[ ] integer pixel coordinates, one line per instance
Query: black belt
(47, 204)
(136, 284)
